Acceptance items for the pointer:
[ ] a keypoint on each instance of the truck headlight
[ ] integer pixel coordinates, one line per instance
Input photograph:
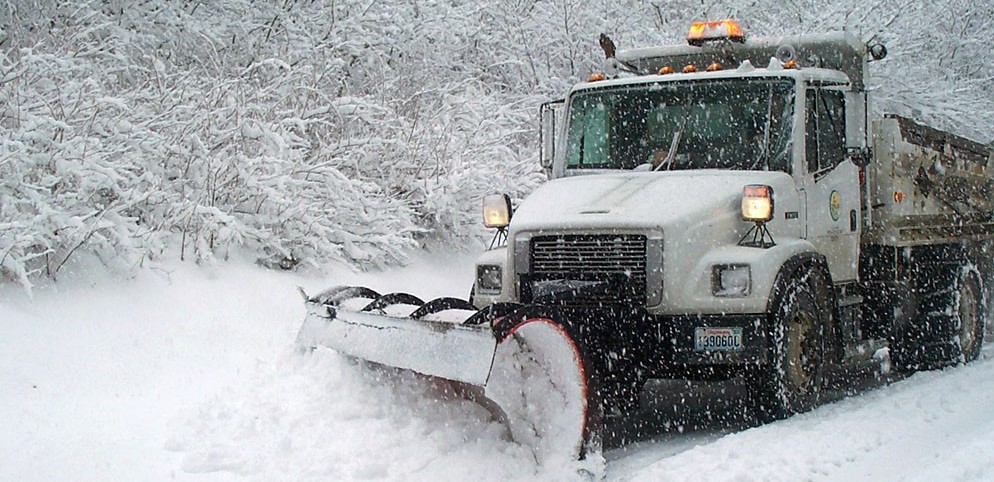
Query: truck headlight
(489, 278)
(757, 203)
(496, 210)
(731, 280)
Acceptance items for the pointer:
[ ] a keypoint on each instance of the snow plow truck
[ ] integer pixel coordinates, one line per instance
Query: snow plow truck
(722, 208)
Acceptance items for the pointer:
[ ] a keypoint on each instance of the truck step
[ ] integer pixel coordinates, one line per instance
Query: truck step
(863, 352)
(850, 300)
(862, 362)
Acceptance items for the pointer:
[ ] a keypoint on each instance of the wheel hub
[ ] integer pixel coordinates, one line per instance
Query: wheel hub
(801, 364)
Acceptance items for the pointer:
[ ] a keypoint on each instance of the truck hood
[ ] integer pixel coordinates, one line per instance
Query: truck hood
(636, 199)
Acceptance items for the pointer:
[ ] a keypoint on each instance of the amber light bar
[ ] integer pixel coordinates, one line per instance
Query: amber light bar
(727, 29)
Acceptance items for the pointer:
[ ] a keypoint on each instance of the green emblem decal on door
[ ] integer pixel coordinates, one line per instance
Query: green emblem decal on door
(835, 205)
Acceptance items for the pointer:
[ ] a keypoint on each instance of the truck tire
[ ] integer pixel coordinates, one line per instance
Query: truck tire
(792, 380)
(971, 311)
(949, 325)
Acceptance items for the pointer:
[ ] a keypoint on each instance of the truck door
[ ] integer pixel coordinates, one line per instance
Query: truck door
(831, 183)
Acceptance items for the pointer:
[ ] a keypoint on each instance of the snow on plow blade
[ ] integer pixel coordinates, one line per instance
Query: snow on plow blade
(463, 353)
(528, 368)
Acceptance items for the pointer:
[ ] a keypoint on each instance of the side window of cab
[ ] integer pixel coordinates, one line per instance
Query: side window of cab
(824, 129)
(588, 137)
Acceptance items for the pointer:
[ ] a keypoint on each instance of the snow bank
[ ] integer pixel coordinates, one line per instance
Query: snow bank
(91, 374)
(322, 417)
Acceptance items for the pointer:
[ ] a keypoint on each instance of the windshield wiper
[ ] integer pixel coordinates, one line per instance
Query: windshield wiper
(763, 158)
(580, 161)
(668, 161)
(671, 153)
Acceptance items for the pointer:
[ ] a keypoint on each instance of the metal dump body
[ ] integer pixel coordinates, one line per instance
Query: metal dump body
(926, 186)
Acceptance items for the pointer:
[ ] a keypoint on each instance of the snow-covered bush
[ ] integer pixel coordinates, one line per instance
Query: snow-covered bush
(350, 131)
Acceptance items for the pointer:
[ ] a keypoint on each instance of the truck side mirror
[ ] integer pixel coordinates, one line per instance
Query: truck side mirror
(547, 131)
(856, 150)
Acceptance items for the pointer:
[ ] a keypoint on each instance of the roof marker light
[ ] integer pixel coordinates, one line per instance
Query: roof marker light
(689, 69)
(666, 69)
(714, 67)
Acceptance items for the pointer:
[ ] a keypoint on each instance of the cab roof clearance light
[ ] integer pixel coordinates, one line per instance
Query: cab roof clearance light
(701, 32)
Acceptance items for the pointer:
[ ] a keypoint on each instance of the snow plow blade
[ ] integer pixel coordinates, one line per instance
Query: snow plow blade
(522, 363)
(463, 353)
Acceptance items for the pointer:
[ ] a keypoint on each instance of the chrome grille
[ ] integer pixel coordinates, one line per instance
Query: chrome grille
(573, 256)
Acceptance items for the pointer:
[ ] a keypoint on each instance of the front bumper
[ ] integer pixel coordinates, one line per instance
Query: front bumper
(664, 344)
(676, 334)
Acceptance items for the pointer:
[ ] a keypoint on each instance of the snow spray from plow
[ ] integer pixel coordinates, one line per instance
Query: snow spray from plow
(525, 363)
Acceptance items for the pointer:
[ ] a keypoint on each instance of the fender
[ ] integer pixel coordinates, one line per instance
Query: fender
(817, 265)
(791, 268)
(696, 296)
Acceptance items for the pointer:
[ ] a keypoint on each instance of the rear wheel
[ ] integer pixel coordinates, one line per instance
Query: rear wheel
(791, 382)
(971, 317)
(948, 326)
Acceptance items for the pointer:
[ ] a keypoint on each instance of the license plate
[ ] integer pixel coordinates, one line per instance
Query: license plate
(717, 338)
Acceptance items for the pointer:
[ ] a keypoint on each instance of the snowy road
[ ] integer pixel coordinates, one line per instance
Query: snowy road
(193, 377)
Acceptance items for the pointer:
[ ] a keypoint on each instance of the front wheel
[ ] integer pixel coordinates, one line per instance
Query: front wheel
(791, 382)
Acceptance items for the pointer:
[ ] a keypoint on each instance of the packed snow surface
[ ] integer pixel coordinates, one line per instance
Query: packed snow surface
(191, 374)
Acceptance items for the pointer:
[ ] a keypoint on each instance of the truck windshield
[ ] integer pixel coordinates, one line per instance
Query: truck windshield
(742, 124)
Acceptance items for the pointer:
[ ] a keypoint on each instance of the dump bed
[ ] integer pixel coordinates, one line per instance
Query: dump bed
(926, 186)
